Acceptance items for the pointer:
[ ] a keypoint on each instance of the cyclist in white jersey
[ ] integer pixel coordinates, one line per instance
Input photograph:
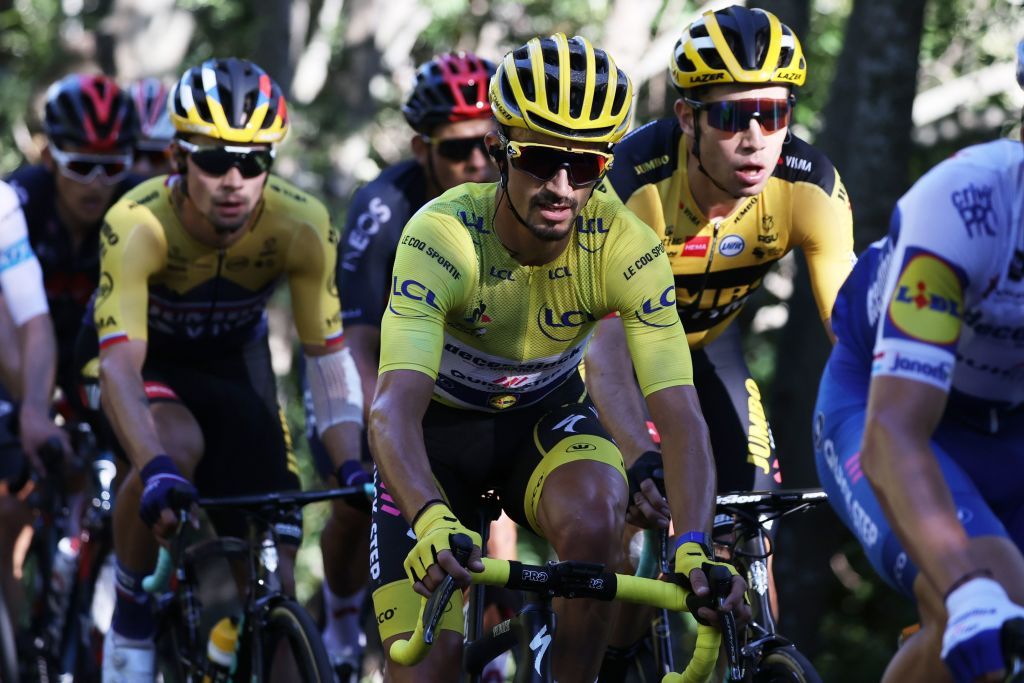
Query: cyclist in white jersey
(919, 428)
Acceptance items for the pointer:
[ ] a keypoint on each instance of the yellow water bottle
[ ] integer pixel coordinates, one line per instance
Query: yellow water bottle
(221, 651)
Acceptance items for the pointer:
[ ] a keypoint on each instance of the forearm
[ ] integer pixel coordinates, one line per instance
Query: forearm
(39, 363)
(909, 484)
(690, 479)
(613, 388)
(401, 458)
(343, 442)
(125, 404)
(364, 342)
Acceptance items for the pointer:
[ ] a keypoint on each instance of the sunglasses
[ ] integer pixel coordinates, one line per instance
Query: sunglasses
(457, 149)
(733, 116)
(216, 161)
(544, 161)
(84, 168)
(154, 157)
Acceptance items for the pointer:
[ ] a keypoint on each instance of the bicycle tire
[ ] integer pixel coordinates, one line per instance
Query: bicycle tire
(784, 665)
(8, 649)
(286, 619)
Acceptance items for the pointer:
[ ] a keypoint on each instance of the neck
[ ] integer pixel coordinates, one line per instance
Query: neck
(78, 230)
(713, 201)
(199, 226)
(525, 247)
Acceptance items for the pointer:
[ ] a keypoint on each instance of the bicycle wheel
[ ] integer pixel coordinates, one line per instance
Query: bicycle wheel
(784, 665)
(292, 649)
(8, 649)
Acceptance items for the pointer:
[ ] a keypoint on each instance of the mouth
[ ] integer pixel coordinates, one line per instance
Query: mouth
(750, 173)
(555, 213)
(229, 207)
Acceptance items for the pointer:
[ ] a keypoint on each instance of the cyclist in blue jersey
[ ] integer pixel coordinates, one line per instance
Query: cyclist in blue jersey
(919, 426)
(448, 110)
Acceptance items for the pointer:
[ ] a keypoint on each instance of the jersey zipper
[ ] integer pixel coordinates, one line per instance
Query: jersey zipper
(695, 304)
(214, 293)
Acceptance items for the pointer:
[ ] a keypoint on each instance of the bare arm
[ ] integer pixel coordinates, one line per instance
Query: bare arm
(38, 373)
(613, 388)
(125, 403)
(396, 438)
(364, 342)
(9, 355)
(898, 461)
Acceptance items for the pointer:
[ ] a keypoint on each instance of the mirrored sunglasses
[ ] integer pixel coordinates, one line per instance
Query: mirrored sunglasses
(544, 161)
(732, 116)
(216, 161)
(457, 149)
(83, 167)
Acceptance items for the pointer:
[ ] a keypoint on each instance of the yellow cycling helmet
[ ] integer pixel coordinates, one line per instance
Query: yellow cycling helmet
(231, 100)
(737, 45)
(563, 87)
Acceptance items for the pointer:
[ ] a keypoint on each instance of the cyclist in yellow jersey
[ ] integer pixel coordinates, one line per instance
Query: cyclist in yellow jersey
(188, 264)
(495, 290)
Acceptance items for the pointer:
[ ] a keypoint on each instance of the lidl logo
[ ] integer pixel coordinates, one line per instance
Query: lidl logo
(927, 304)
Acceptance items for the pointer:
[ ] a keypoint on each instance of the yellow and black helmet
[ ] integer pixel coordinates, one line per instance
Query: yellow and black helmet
(563, 87)
(737, 45)
(229, 99)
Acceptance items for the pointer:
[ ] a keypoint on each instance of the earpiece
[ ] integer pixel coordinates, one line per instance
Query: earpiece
(501, 160)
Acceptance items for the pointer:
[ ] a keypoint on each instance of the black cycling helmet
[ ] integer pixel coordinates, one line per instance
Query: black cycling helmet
(450, 87)
(90, 111)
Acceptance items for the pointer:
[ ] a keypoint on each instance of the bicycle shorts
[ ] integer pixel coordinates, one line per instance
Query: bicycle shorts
(983, 471)
(248, 449)
(471, 453)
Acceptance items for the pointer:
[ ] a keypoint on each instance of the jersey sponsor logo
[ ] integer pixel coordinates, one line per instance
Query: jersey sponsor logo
(644, 260)
(591, 233)
(798, 163)
(655, 304)
(651, 165)
(282, 189)
(975, 207)
(478, 315)
(19, 252)
(707, 78)
(108, 234)
(731, 245)
(559, 272)
(104, 288)
(562, 326)
(865, 527)
(414, 291)
(696, 246)
(760, 441)
(928, 300)
(502, 274)
(1009, 333)
(366, 225)
(502, 401)
(441, 259)
(580, 446)
(476, 223)
(938, 373)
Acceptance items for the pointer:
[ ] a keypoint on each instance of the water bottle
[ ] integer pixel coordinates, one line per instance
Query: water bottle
(221, 651)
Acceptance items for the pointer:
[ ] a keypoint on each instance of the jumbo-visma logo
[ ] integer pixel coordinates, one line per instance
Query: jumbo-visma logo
(927, 304)
(653, 305)
(562, 326)
(413, 291)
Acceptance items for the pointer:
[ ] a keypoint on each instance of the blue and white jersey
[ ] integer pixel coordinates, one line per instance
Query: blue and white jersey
(941, 299)
(21, 277)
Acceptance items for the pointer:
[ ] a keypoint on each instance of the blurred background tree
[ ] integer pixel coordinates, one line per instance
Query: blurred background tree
(893, 88)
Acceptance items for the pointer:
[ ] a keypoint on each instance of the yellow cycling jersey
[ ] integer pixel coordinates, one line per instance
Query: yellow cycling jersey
(160, 285)
(718, 264)
(496, 334)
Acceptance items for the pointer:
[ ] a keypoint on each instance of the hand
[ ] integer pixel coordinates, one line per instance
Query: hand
(648, 507)
(164, 492)
(690, 562)
(431, 558)
(971, 643)
(36, 428)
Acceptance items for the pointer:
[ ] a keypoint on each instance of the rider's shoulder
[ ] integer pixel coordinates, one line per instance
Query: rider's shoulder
(400, 184)
(646, 155)
(802, 162)
(284, 202)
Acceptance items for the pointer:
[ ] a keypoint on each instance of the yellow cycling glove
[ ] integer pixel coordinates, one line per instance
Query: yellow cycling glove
(433, 528)
(691, 555)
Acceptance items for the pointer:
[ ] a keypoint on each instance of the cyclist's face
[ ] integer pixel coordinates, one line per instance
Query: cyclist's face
(742, 162)
(451, 168)
(226, 200)
(82, 203)
(549, 207)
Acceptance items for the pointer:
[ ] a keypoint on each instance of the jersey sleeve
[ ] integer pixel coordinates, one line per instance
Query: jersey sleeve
(824, 222)
(940, 259)
(434, 266)
(312, 258)
(639, 285)
(21, 277)
(374, 222)
(132, 247)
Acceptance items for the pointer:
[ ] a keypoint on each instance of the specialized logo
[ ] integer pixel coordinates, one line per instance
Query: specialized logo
(540, 644)
(569, 423)
(927, 304)
(652, 306)
(975, 207)
(562, 327)
(502, 401)
(696, 246)
(731, 245)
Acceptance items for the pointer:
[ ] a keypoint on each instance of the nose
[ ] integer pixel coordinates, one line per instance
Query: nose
(559, 182)
(753, 136)
(233, 178)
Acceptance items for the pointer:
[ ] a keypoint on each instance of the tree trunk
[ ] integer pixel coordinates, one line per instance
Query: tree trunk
(867, 136)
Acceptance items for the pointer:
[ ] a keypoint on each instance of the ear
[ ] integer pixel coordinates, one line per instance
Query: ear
(420, 148)
(47, 159)
(179, 159)
(687, 117)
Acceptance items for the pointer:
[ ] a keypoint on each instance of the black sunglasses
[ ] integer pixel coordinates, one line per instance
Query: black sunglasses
(732, 116)
(544, 161)
(217, 161)
(457, 149)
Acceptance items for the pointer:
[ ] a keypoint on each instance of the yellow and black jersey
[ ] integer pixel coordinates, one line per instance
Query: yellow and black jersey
(159, 284)
(718, 264)
(497, 334)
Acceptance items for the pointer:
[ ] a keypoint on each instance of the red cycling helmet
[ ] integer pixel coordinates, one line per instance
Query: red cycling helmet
(90, 111)
(450, 87)
(153, 124)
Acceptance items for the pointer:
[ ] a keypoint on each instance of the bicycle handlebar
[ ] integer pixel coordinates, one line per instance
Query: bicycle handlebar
(571, 580)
